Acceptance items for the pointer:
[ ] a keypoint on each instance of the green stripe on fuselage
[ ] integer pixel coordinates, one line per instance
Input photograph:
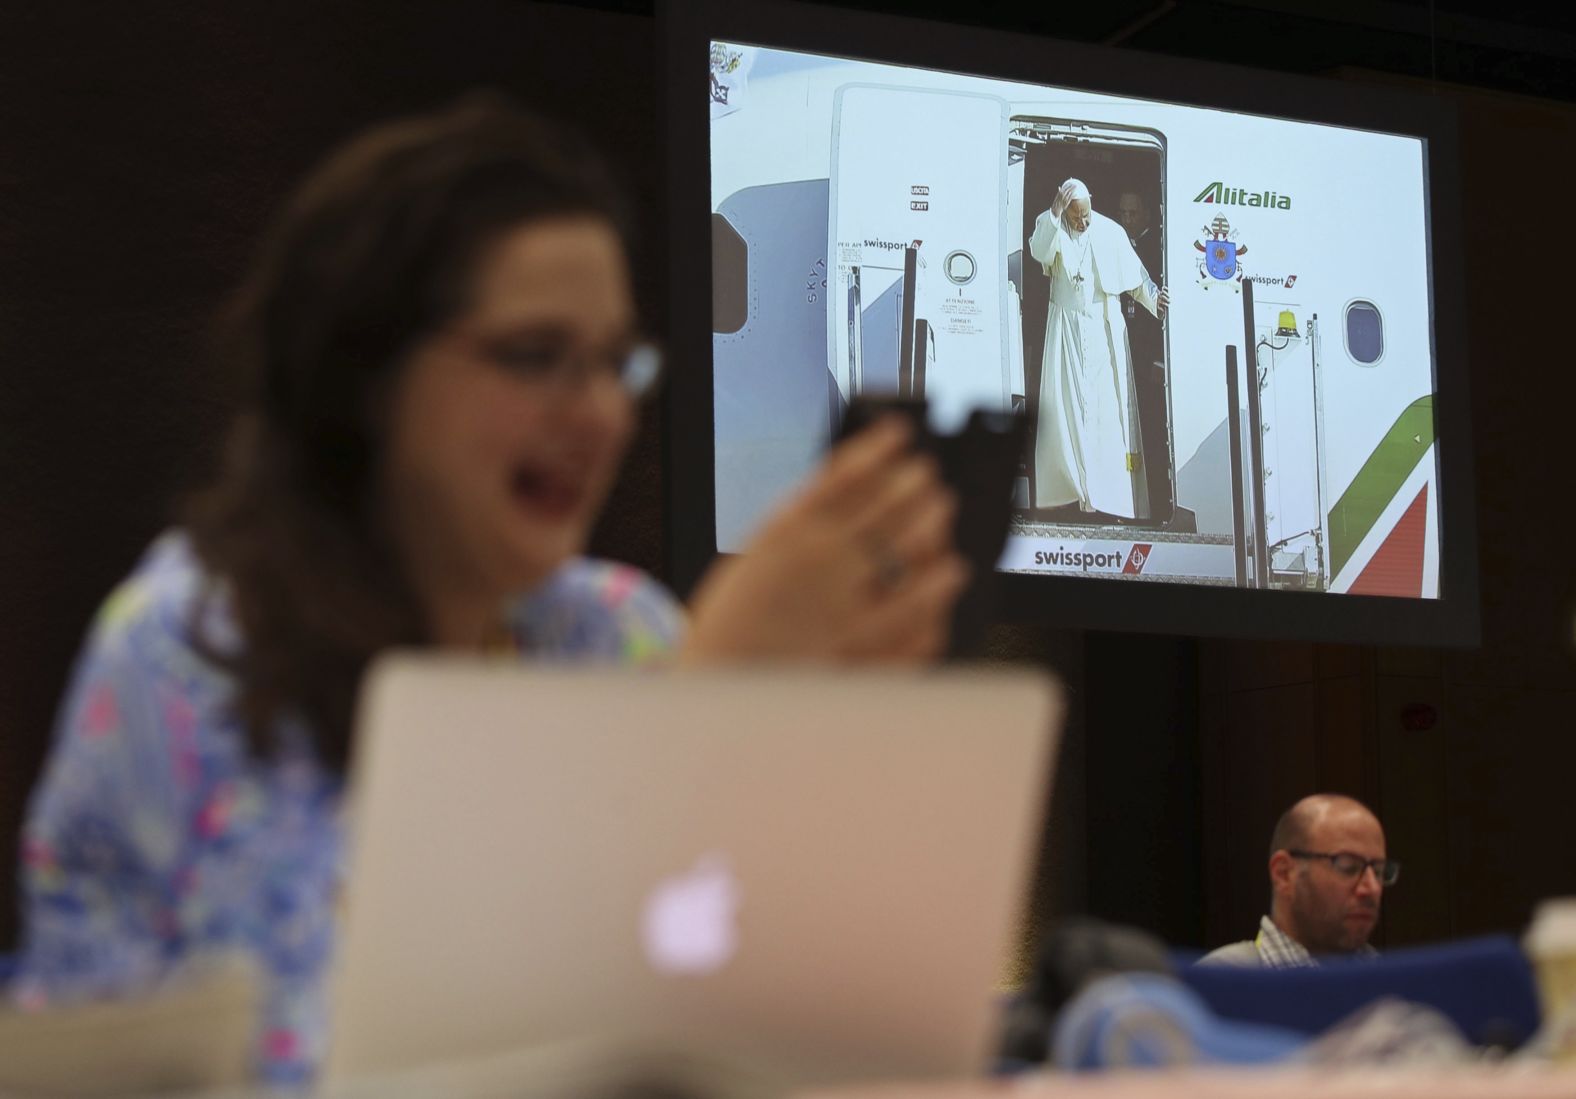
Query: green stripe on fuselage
(1381, 477)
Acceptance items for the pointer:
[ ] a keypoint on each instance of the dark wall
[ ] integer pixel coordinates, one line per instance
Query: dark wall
(142, 147)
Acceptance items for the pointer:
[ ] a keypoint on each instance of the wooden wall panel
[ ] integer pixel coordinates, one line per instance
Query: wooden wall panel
(1414, 805)
(1272, 759)
(1510, 774)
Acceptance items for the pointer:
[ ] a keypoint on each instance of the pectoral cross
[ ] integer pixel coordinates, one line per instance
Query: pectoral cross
(1078, 280)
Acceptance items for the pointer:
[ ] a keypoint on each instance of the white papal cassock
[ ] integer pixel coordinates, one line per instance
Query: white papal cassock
(1086, 449)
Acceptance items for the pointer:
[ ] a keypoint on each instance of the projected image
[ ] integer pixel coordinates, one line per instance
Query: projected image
(1219, 323)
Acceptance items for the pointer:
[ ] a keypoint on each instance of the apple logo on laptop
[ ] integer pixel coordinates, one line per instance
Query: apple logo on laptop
(689, 924)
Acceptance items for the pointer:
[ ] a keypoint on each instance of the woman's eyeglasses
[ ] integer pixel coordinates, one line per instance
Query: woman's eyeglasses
(636, 369)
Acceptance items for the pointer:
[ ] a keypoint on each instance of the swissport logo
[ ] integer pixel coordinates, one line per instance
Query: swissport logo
(1137, 558)
(891, 245)
(1097, 560)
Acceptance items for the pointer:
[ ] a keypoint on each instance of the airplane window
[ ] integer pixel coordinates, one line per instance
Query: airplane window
(1364, 332)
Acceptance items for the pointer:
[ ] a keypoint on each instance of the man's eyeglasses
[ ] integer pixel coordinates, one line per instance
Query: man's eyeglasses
(636, 369)
(1348, 865)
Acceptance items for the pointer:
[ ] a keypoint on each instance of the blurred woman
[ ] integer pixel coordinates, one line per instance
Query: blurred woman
(447, 360)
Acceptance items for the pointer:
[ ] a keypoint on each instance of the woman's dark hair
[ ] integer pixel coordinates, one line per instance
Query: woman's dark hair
(373, 253)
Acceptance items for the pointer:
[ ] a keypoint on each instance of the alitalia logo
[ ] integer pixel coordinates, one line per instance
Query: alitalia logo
(1218, 192)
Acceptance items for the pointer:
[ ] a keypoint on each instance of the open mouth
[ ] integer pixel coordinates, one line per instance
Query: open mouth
(546, 492)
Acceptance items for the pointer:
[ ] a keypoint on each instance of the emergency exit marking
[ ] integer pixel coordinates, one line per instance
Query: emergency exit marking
(919, 205)
(918, 190)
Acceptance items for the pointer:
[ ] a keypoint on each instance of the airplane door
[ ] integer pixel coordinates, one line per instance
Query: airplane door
(917, 241)
(1120, 164)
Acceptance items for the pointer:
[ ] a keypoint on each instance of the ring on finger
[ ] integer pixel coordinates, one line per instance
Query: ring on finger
(890, 568)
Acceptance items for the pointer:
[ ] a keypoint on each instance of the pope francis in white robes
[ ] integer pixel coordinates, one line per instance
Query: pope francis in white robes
(1087, 448)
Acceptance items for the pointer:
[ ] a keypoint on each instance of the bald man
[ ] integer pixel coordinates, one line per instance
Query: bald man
(1328, 871)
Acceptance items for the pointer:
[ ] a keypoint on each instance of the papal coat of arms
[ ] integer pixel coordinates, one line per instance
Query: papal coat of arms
(1220, 261)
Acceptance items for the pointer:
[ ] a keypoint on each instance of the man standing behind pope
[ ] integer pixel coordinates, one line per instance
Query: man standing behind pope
(1087, 448)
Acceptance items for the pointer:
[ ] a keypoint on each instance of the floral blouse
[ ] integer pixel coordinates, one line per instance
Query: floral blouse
(153, 836)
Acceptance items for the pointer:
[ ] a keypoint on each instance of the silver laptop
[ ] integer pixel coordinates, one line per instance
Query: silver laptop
(815, 874)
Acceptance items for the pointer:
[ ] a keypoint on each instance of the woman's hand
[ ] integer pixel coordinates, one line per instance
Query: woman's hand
(857, 566)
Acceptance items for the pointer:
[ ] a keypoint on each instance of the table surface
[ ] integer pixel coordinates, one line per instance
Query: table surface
(1512, 1081)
